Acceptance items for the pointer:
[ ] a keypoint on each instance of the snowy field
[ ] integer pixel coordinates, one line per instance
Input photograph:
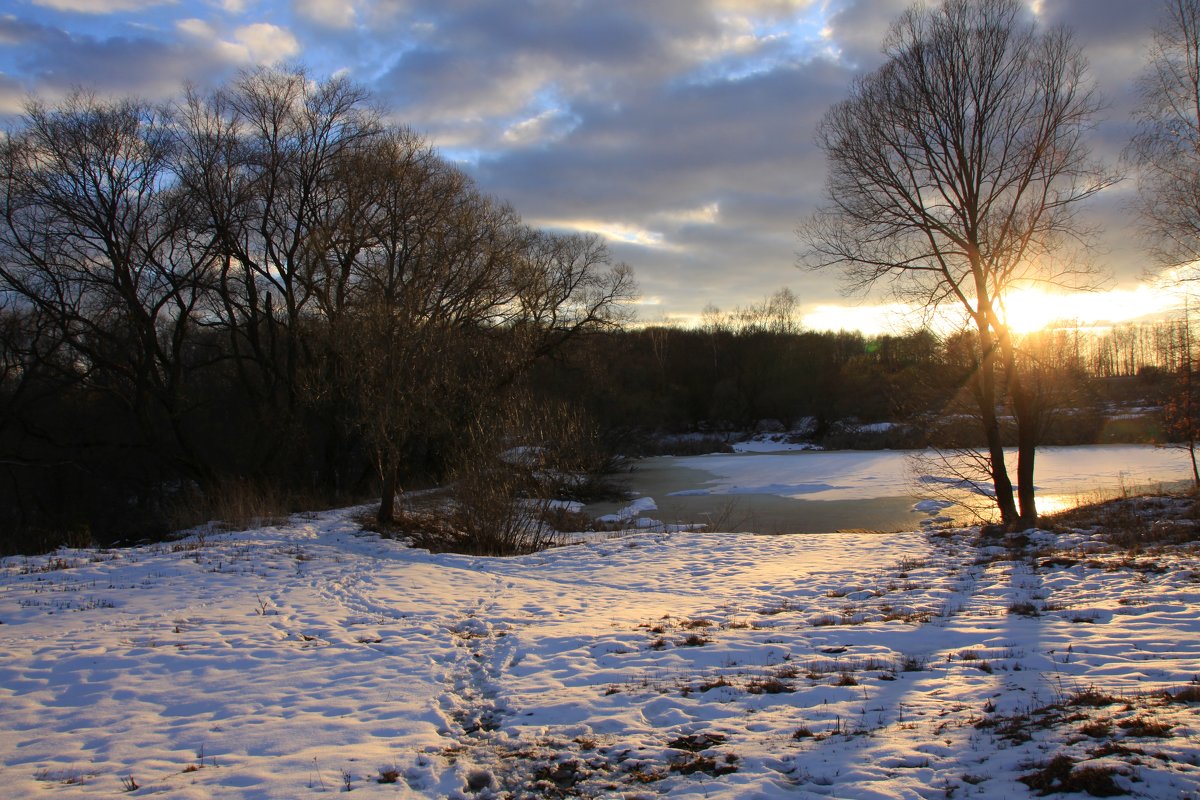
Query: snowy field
(310, 658)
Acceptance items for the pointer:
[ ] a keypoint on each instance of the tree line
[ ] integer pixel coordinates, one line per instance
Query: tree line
(739, 371)
(264, 284)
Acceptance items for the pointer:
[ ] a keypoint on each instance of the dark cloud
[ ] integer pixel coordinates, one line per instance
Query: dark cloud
(743, 147)
(1115, 36)
(1100, 22)
(51, 61)
(747, 145)
(858, 28)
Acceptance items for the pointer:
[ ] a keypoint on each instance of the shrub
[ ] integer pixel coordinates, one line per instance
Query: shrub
(239, 504)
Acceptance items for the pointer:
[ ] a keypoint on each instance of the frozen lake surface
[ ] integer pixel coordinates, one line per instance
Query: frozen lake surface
(814, 491)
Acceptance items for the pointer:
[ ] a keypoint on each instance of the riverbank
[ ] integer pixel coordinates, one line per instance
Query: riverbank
(773, 487)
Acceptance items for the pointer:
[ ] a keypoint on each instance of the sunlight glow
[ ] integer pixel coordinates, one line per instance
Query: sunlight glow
(1032, 309)
(871, 320)
(1029, 309)
(621, 232)
(1055, 503)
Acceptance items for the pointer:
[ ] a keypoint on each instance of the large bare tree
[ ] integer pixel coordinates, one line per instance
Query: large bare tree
(95, 242)
(437, 297)
(1166, 147)
(273, 244)
(263, 159)
(955, 171)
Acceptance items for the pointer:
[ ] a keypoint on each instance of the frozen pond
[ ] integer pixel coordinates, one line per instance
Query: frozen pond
(816, 491)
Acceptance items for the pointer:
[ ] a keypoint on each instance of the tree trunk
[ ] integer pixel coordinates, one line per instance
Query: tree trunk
(387, 500)
(1195, 468)
(1026, 452)
(1025, 409)
(1000, 480)
(984, 384)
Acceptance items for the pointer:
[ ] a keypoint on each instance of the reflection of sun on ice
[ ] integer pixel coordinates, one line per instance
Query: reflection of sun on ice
(1054, 503)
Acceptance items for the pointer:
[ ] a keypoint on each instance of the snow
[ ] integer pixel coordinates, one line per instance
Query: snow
(874, 427)
(311, 657)
(631, 511)
(773, 443)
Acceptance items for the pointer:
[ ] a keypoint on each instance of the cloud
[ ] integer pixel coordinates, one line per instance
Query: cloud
(645, 120)
(12, 96)
(99, 6)
(196, 28)
(622, 232)
(257, 44)
(53, 61)
(16, 31)
(857, 29)
(328, 13)
(701, 215)
(262, 43)
(548, 126)
(488, 64)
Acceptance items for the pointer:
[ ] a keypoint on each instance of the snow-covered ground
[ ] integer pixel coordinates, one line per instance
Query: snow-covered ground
(311, 658)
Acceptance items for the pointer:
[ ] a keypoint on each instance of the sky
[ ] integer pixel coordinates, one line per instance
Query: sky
(680, 130)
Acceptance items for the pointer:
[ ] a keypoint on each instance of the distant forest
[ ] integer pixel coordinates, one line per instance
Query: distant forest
(739, 375)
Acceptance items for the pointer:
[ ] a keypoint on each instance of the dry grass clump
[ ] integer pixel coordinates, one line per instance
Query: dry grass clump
(1132, 523)
(768, 684)
(1061, 775)
(709, 765)
(1092, 697)
(714, 683)
(697, 742)
(1188, 694)
(1143, 727)
(479, 518)
(241, 504)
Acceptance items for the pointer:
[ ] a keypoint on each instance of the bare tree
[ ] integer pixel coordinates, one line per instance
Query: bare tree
(1166, 147)
(1181, 412)
(96, 242)
(956, 169)
(367, 295)
(262, 157)
(437, 298)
